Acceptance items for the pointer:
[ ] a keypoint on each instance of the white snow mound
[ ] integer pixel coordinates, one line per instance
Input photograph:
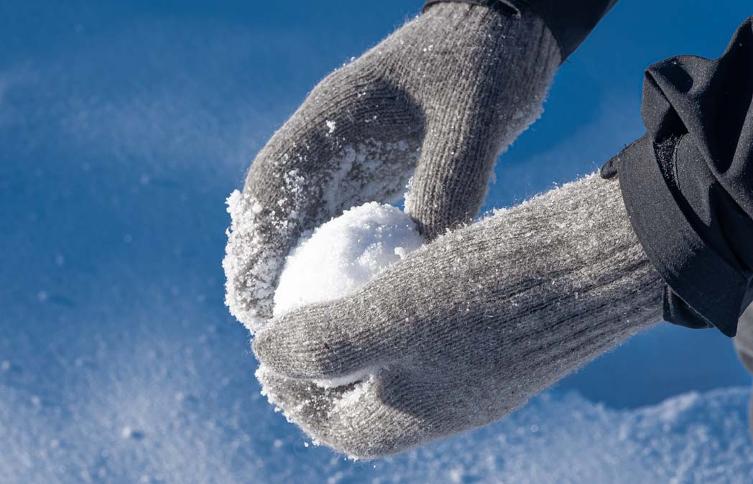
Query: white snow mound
(344, 254)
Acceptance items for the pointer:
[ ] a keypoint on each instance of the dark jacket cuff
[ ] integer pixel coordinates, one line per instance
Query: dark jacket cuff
(688, 184)
(702, 289)
(569, 21)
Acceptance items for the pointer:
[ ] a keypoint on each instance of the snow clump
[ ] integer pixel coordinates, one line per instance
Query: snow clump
(344, 254)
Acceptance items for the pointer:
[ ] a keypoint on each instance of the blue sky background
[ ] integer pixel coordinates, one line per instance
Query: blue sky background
(123, 127)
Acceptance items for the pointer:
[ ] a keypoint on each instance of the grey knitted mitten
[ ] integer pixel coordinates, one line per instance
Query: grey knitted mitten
(744, 340)
(437, 100)
(466, 329)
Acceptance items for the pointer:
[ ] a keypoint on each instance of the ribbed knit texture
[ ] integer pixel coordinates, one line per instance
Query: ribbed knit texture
(468, 328)
(438, 100)
(744, 341)
(744, 346)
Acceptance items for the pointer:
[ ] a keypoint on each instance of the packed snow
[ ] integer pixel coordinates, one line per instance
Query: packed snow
(345, 253)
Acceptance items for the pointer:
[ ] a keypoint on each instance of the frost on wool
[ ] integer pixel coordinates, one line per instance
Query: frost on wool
(262, 231)
(344, 254)
(250, 274)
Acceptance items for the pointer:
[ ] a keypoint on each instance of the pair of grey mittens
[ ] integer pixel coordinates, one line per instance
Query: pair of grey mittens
(468, 328)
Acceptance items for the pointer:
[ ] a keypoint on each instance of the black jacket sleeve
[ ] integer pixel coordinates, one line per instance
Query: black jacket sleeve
(688, 183)
(570, 21)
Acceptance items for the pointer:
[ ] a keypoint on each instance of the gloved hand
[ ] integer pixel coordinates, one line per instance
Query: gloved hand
(466, 329)
(437, 100)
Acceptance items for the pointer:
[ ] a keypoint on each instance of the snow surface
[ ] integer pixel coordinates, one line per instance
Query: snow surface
(123, 125)
(345, 253)
(137, 431)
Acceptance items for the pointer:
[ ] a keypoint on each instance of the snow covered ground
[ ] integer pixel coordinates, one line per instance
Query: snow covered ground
(147, 431)
(122, 130)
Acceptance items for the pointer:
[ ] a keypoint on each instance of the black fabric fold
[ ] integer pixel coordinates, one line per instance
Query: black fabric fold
(688, 184)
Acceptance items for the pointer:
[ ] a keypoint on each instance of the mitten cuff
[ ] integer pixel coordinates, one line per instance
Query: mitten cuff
(570, 22)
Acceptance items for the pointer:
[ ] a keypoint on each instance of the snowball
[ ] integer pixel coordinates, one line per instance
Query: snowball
(344, 254)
